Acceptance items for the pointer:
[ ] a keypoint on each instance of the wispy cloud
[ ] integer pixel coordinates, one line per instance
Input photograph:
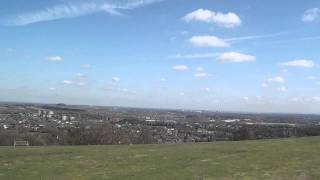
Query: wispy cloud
(282, 89)
(316, 98)
(194, 56)
(115, 79)
(264, 85)
(199, 69)
(54, 58)
(277, 79)
(76, 9)
(205, 89)
(67, 82)
(202, 75)
(310, 38)
(181, 94)
(313, 78)
(241, 38)
(163, 79)
(299, 39)
(299, 63)
(311, 15)
(85, 66)
(78, 80)
(245, 98)
(180, 68)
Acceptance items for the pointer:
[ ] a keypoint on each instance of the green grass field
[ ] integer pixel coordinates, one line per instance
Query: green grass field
(265, 159)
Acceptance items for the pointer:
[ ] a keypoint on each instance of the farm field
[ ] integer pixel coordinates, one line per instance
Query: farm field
(294, 158)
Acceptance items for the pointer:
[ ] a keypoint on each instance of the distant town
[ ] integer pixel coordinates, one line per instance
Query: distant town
(61, 124)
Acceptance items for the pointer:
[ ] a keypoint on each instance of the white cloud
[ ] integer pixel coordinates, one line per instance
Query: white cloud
(67, 82)
(115, 79)
(299, 63)
(311, 14)
(208, 41)
(52, 89)
(277, 79)
(163, 79)
(180, 68)
(282, 89)
(202, 75)
(235, 57)
(76, 9)
(228, 20)
(194, 56)
(55, 58)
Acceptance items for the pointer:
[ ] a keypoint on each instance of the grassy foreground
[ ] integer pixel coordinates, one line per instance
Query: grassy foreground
(265, 159)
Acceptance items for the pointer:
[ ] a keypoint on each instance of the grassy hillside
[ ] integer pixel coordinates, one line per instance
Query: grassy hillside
(265, 159)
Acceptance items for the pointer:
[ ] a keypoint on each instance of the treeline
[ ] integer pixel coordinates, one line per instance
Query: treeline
(99, 134)
(263, 132)
(252, 132)
(107, 134)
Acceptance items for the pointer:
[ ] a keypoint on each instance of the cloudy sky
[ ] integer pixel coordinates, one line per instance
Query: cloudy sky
(248, 55)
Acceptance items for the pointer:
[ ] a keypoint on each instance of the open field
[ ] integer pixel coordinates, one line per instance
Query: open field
(265, 159)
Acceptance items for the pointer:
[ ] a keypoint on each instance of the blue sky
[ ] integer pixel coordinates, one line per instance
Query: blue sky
(248, 55)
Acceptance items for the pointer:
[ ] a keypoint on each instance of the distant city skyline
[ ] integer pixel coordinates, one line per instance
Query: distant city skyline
(252, 56)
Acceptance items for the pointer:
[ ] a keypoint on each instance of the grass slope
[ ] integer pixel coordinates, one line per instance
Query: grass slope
(265, 159)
